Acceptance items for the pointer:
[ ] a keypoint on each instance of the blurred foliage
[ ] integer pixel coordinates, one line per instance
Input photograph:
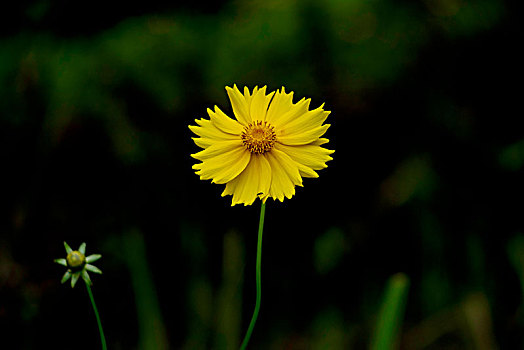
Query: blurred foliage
(512, 157)
(427, 178)
(389, 321)
(151, 333)
(329, 250)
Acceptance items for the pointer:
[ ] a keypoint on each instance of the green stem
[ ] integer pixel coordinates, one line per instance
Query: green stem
(258, 278)
(100, 329)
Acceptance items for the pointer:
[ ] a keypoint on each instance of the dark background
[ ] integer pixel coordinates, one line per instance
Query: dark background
(427, 177)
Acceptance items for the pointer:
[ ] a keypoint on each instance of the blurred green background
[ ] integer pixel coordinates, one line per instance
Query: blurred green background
(427, 178)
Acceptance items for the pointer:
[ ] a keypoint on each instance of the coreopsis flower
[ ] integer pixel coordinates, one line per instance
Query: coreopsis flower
(78, 264)
(266, 150)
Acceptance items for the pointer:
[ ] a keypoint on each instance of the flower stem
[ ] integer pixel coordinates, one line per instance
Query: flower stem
(100, 329)
(258, 278)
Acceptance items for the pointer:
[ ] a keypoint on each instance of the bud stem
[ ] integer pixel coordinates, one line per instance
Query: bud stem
(100, 329)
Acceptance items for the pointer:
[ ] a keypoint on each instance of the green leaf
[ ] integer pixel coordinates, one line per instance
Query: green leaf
(66, 276)
(85, 277)
(67, 248)
(75, 277)
(82, 248)
(93, 268)
(93, 258)
(62, 262)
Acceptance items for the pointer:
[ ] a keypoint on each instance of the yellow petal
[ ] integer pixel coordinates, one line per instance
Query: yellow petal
(217, 148)
(224, 123)
(247, 95)
(259, 104)
(312, 156)
(254, 181)
(284, 175)
(306, 171)
(264, 171)
(224, 167)
(280, 105)
(207, 129)
(295, 111)
(309, 120)
(320, 142)
(209, 133)
(203, 142)
(302, 138)
(240, 104)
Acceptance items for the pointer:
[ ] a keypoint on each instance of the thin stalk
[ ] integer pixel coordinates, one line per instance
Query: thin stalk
(100, 329)
(258, 277)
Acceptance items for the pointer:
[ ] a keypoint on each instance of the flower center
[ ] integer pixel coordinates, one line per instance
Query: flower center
(259, 137)
(76, 260)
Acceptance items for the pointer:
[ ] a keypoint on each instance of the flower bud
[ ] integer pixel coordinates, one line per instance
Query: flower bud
(76, 260)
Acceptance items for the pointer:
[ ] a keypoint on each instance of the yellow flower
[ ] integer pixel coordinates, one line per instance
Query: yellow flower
(267, 150)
